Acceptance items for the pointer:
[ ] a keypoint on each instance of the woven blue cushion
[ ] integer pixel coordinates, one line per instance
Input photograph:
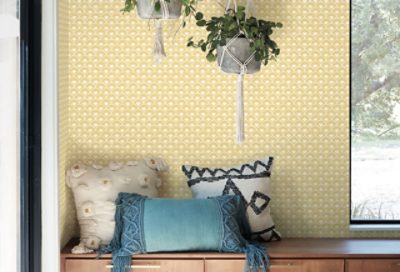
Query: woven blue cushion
(146, 225)
(176, 225)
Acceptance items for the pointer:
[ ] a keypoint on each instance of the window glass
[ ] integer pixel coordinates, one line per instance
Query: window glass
(375, 110)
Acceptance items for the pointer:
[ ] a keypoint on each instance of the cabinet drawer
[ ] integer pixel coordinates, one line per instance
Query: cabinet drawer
(372, 265)
(87, 265)
(279, 266)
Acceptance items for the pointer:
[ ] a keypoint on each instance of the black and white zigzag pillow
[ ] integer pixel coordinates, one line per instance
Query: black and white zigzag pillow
(251, 181)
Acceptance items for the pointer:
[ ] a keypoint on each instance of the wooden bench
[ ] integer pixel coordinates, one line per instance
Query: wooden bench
(288, 255)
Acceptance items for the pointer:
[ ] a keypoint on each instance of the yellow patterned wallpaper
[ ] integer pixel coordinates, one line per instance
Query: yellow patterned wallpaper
(67, 209)
(122, 105)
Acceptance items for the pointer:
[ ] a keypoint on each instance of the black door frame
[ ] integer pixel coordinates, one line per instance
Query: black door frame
(30, 148)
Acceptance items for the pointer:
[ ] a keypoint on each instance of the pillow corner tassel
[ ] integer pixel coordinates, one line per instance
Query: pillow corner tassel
(159, 51)
(122, 264)
(240, 136)
(256, 258)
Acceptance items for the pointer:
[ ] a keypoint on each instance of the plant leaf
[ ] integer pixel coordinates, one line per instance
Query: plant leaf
(201, 23)
(187, 11)
(199, 16)
(211, 57)
(157, 6)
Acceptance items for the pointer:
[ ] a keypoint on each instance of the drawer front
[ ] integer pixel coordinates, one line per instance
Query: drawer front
(372, 265)
(279, 266)
(87, 265)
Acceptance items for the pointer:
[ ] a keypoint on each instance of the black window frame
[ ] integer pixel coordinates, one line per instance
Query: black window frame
(30, 138)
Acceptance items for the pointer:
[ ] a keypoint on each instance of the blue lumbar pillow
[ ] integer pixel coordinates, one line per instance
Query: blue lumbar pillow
(163, 225)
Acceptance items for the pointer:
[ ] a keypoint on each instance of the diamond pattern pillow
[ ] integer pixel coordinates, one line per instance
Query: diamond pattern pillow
(250, 181)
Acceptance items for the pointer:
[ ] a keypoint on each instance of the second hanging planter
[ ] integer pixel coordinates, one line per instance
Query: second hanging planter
(240, 45)
(160, 10)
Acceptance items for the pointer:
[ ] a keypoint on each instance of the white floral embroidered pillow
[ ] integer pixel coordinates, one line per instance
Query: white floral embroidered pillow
(95, 189)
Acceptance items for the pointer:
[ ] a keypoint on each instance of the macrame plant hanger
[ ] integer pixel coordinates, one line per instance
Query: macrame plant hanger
(159, 50)
(240, 131)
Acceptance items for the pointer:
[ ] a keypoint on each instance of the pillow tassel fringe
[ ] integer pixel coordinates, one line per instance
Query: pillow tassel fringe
(122, 264)
(256, 258)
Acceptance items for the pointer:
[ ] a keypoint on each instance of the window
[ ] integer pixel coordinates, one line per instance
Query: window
(375, 111)
(20, 135)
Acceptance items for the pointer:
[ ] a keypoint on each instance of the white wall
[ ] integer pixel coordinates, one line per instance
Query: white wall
(50, 198)
(9, 148)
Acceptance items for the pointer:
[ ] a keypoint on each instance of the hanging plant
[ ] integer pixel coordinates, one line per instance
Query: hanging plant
(234, 24)
(158, 5)
(161, 10)
(240, 45)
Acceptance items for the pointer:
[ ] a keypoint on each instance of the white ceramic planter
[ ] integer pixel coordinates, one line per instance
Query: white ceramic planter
(240, 48)
(145, 9)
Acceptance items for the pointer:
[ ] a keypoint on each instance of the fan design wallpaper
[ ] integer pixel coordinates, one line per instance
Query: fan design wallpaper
(116, 104)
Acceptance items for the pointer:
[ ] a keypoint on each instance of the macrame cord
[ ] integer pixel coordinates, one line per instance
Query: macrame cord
(159, 51)
(240, 131)
(249, 7)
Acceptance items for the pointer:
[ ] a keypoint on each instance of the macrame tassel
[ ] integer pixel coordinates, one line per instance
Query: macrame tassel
(159, 51)
(240, 109)
(256, 258)
(122, 263)
(249, 8)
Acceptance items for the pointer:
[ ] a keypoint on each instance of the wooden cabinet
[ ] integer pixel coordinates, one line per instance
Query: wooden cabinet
(375, 265)
(82, 265)
(288, 255)
(278, 266)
